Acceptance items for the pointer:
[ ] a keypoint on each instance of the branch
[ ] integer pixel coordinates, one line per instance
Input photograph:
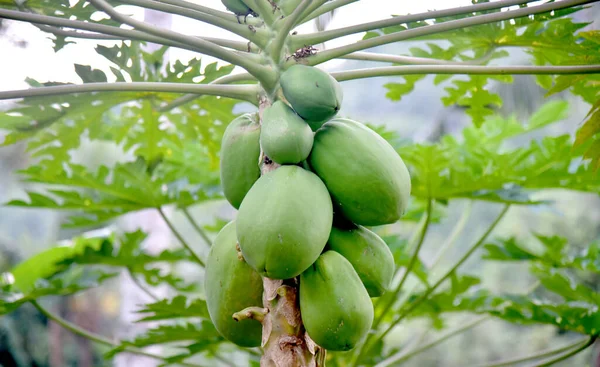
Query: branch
(204, 9)
(257, 36)
(320, 37)
(330, 6)
(276, 48)
(431, 289)
(103, 31)
(432, 29)
(196, 226)
(190, 97)
(567, 355)
(399, 357)
(392, 297)
(539, 355)
(180, 237)
(411, 60)
(242, 92)
(97, 338)
(316, 4)
(208, 48)
(464, 69)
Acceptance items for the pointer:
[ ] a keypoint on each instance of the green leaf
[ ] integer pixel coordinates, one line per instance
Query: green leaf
(507, 250)
(175, 308)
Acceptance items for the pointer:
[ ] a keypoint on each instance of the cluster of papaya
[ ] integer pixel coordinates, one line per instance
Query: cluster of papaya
(307, 217)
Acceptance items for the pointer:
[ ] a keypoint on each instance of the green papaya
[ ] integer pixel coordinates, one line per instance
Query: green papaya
(335, 306)
(364, 174)
(284, 136)
(240, 151)
(369, 255)
(314, 94)
(232, 285)
(284, 222)
(237, 7)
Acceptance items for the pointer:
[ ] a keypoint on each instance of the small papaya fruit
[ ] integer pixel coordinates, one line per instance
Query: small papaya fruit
(369, 255)
(335, 306)
(237, 7)
(240, 150)
(232, 285)
(284, 136)
(314, 94)
(365, 176)
(284, 222)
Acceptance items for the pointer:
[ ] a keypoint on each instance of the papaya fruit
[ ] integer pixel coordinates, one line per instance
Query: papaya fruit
(232, 285)
(369, 255)
(237, 7)
(314, 94)
(335, 306)
(240, 150)
(284, 136)
(366, 177)
(284, 222)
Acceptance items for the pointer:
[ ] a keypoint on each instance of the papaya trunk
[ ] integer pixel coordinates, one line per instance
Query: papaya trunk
(284, 339)
(285, 342)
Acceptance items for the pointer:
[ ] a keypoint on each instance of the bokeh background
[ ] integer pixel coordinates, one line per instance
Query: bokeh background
(30, 340)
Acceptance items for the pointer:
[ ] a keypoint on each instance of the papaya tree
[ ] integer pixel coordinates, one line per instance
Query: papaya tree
(313, 268)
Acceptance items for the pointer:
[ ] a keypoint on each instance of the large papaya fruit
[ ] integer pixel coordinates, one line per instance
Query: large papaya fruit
(240, 150)
(364, 174)
(284, 136)
(335, 306)
(314, 94)
(284, 222)
(369, 255)
(232, 285)
(237, 7)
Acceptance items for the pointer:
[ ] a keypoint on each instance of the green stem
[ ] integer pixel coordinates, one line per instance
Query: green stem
(180, 237)
(190, 97)
(464, 69)
(208, 48)
(430, 29)
(276, 48)
(196, 226)
(314, 6)
(330, 6)
(265, 9)
(567, 355)
(243, 92)
(320, 37)
(141, 286)
(257, 36)
(410, 60)
(204, 9)
(95, 337)
(539, 355)
(104, 31)
(392, 296)
(430, 290)
(397, 358)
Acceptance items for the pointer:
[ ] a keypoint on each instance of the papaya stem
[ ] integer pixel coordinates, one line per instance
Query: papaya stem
(254, 313)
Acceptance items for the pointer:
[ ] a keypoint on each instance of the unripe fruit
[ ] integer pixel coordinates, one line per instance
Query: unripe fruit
(314, 94)
(369, 255)
(240, 150)
(335, 306)
(232, 285)
(365, 176)
(237, 7)
(284, 222)
(284, 136)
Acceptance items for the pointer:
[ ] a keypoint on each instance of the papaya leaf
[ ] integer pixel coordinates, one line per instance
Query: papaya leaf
(507, 250)
(203, 335)
(175, 308)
